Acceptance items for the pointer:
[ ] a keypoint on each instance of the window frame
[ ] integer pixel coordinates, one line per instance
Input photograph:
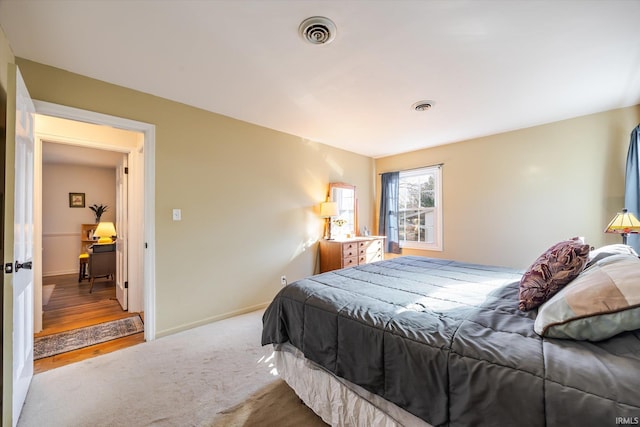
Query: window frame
(437, 245)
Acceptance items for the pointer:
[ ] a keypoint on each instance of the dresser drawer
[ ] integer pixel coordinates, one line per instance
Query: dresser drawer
(370, 251)
(373, 256)
(349, 249)
(362, 247)
(350, 262)
(376, 245)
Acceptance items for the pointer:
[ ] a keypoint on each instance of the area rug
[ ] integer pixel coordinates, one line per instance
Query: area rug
(47, 290)
(53, 344)
(274, 405)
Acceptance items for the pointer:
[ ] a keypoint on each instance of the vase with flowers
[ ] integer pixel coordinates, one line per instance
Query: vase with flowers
(339, 222)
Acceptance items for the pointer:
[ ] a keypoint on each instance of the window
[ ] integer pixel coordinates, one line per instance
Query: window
(420, 208)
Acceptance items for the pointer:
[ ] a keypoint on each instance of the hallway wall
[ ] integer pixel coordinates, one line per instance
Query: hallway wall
(60, 223)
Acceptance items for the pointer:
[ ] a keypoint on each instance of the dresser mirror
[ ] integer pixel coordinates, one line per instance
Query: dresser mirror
(344, 195)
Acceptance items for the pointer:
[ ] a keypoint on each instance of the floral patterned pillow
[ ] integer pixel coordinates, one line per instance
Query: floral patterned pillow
(556, 267)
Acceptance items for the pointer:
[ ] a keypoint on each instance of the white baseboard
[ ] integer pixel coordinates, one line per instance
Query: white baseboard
(211, 320)
(59, 273)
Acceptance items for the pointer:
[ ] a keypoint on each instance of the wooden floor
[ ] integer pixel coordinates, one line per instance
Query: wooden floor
(71, 306)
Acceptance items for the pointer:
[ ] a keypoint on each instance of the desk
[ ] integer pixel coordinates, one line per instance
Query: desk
(102, 263)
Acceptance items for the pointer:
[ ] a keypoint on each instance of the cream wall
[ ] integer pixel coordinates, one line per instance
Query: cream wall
(60, 223)
(508, 197)
(249, 198)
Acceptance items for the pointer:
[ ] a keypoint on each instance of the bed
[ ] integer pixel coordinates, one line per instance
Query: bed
(415, 340)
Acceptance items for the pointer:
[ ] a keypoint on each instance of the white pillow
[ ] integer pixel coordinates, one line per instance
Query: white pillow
(608, 250)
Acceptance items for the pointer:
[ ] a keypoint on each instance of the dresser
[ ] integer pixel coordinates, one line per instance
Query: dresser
(335, 254)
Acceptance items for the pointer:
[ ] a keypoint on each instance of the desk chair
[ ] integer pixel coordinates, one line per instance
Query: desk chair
(101, 264)
(83, 267)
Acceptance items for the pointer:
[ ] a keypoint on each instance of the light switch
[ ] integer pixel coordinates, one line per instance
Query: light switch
(177, 214)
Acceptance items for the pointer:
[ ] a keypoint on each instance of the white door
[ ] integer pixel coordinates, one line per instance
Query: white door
(23, 248)
(122, 277)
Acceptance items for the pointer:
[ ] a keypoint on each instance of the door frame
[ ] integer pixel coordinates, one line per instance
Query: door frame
(122, 225)
(145, 241)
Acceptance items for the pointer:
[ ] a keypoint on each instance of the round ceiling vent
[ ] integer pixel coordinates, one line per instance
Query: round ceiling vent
(422, 105)
(317, 30)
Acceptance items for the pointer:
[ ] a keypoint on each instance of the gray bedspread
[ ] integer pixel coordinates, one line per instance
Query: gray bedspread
(445, 341)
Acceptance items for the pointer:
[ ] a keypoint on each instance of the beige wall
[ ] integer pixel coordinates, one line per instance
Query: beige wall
(60, 223)
(6, 57)
(508, 197)
(249, 195)
(249, 198)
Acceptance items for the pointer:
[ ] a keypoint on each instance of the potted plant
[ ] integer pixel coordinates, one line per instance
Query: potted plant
(98, 210)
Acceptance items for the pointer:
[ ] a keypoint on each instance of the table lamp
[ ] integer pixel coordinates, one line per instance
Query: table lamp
(105, 231)
(327, 210)
(624, 223)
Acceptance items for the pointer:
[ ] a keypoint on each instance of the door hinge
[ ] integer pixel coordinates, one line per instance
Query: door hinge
(126, 285)
(126, 170)
(145, 245)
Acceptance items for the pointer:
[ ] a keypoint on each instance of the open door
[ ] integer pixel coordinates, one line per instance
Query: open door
(23, 238)
(122, 277)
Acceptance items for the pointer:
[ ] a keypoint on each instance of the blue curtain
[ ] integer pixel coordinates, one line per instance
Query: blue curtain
(388, 225)
(632, 184)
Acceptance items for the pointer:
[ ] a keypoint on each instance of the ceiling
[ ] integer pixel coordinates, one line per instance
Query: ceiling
(489, 66)
(65, 154)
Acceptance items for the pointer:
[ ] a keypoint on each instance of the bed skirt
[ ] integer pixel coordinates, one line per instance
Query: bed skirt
(337, 401)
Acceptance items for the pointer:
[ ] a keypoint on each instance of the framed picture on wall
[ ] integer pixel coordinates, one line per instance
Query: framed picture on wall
(76, 200)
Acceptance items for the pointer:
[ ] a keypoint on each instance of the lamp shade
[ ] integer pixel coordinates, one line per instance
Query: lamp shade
(105, 231)
(623, 223)
(328, 209)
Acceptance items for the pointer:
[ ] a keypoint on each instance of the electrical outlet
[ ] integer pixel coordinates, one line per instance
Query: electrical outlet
(283, 280)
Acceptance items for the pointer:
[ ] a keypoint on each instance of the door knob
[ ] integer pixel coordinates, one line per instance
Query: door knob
(26, 265)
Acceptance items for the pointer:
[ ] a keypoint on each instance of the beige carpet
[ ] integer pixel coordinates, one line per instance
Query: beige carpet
(206, 376)
(47, 290)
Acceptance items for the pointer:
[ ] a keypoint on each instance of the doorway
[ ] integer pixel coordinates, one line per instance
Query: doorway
(141, 233)
(73, 298)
